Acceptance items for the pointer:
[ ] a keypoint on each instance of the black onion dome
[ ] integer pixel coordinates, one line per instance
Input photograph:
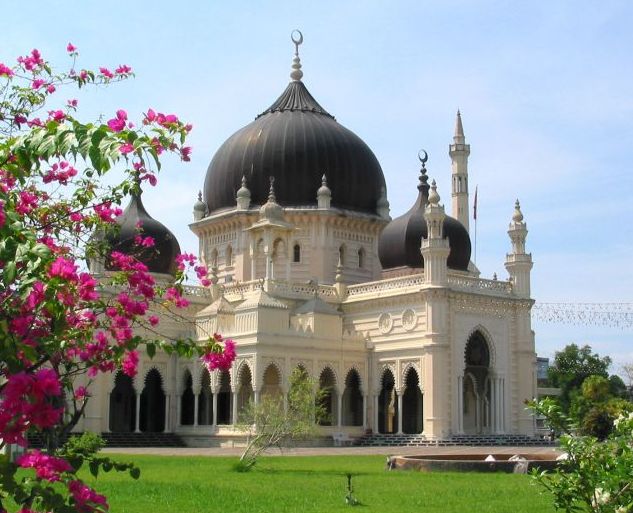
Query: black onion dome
(400, 241)
(161, 258)
(296, 141)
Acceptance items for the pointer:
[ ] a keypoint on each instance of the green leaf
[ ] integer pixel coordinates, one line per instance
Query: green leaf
(151, 349)
(9, 273)
(94, 468)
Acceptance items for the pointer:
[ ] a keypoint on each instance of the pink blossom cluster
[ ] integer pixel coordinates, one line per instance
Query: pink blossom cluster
(60, 172)
(33, 61)
(5, 70)
(3, 216)
(86, 499)
(117, 124)
(129, 364)
(25, 402)
(46, 467)
(107, 212)
(223, 360)
(173, 295)
(27, 201)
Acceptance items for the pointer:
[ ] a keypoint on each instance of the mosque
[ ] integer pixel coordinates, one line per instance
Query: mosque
(309, 270)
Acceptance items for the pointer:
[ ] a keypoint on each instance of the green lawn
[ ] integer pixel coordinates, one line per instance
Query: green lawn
(310, 484)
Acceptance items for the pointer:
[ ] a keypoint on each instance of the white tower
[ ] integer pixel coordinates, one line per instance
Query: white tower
(518, 262)
(435, 247)
(459, 152)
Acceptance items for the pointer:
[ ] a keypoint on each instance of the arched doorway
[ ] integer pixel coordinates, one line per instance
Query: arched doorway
(412, 404)
(224, 398)
(352, 407)
(388, 404)
(122, 405)
(272, 382)
(280, 260)
(152, 418)
(476, 388)
(327, 384)
(187, 401)
(245, 391)
(205, 400)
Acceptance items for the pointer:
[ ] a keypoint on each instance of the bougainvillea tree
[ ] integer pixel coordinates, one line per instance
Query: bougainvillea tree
(60, 326)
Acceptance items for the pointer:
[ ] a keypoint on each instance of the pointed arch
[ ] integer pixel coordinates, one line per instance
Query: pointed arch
(224, 400)
(361, 258)
(244, 386)
(187, 400)
(387, 402)
(296, 253)
(352, 407)
(122, 404)
(329, 399)
(228, 256)
(272, 380)
(205, 399)
(342, 254)
(412, 402)
(153, 403)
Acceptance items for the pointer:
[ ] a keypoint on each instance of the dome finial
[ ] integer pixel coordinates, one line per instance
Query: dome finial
(199, 195)
(423, 186)
(271, 191)
(434, 197)
(297, 38)
(517, 217)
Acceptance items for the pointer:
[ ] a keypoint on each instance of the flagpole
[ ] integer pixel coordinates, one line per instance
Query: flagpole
(475, 219)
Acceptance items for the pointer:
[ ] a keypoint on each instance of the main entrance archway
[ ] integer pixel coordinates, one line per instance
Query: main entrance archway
(122, 405)
(388, 404)
(476, 399)
(152, 418)
(412, 404)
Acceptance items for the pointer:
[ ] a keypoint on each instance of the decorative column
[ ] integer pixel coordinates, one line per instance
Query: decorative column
(460, 405)
(399, 395)
(137, 428)
(196, 407)
(178, 410)
(167, 407)
(106, 428)
(376, 420)
(364, 411)
(214, 400)
(339, 410)
(234, 408)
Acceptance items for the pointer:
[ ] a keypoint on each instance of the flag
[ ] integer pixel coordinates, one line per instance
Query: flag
(475, 205)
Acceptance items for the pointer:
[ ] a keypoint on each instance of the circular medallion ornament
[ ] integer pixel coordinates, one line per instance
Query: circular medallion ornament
(385, 323)
(409, 319)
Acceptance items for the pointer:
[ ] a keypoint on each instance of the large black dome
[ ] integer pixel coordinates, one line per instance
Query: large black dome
(296, 141)
(161, 258)
(400, 241)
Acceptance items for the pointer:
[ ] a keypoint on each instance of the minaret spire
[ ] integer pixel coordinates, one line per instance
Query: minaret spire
(459, 152)
(297, 38)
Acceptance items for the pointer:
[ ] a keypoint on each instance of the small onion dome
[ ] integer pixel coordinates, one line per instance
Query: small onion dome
(161, 258)
(517, 217)
(400, 241)
(324, 190)
(295, 139)
(271, 210)
(199, 207)
(243, 191)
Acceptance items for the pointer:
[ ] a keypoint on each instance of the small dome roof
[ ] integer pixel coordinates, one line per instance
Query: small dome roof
(296, 141)
(161, 258)
(400, 241)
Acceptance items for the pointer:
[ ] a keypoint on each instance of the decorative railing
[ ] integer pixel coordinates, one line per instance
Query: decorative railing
(196, 291)
(282, 288)
(377, 287)
(469, 283)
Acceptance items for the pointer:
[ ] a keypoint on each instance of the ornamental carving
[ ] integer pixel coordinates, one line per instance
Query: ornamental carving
(385, 323)
(409, 319)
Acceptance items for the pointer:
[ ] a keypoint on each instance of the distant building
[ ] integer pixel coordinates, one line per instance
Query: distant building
(309, 270)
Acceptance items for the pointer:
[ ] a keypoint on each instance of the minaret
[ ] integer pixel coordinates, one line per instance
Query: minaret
(459, 152)
(435, 247)
(518, 262)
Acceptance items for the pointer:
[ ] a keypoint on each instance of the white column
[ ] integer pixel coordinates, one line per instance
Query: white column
(196, 407)
(399, 413)
(339, 410)
(502, 405)
(364, 412)
(376, 420)
(215, 409)
(234, 409)
(167, 406)
(256, 396)
(106, 428)
(460, 405)
(178, 409)
(477, 413)
(137, 428)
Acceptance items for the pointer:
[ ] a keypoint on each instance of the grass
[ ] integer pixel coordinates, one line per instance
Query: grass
(310, 484)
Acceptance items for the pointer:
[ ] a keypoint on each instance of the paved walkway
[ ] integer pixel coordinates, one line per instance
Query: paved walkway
(334, 451)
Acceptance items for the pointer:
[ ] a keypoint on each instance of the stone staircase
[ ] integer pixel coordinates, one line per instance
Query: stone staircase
(380, 440)
(126, 440)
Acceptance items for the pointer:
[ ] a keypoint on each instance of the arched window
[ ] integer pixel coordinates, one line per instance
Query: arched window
(296, 253)
(229, 256)
(361, 258)
(214, 258)
(341, 254)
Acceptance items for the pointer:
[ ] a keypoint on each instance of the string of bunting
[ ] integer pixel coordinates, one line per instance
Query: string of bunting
(613, 315)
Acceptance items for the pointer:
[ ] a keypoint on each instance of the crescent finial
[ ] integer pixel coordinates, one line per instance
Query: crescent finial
(297, 40)
(423, 156)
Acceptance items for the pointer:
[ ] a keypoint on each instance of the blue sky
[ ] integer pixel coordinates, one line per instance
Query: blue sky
(544, 89)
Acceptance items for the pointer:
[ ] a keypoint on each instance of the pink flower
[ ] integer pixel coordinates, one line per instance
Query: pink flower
(126, 148)
(30, 62)
(81, 393)
(86, 499)
(185, 153)
(3, 216)
(106, 212)
(5, 70)
(153, 320)
(123, 69)
(46, 467)
(106, 72)
(71, 48)
(50, 88)
(130, 363)
(63, 268)
(223, 360)
(27, 202)
(72, 103)
(56, 115)
(37, 83)
(117, 124)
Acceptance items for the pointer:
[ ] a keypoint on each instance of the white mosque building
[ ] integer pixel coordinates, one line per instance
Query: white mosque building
(309, 270)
